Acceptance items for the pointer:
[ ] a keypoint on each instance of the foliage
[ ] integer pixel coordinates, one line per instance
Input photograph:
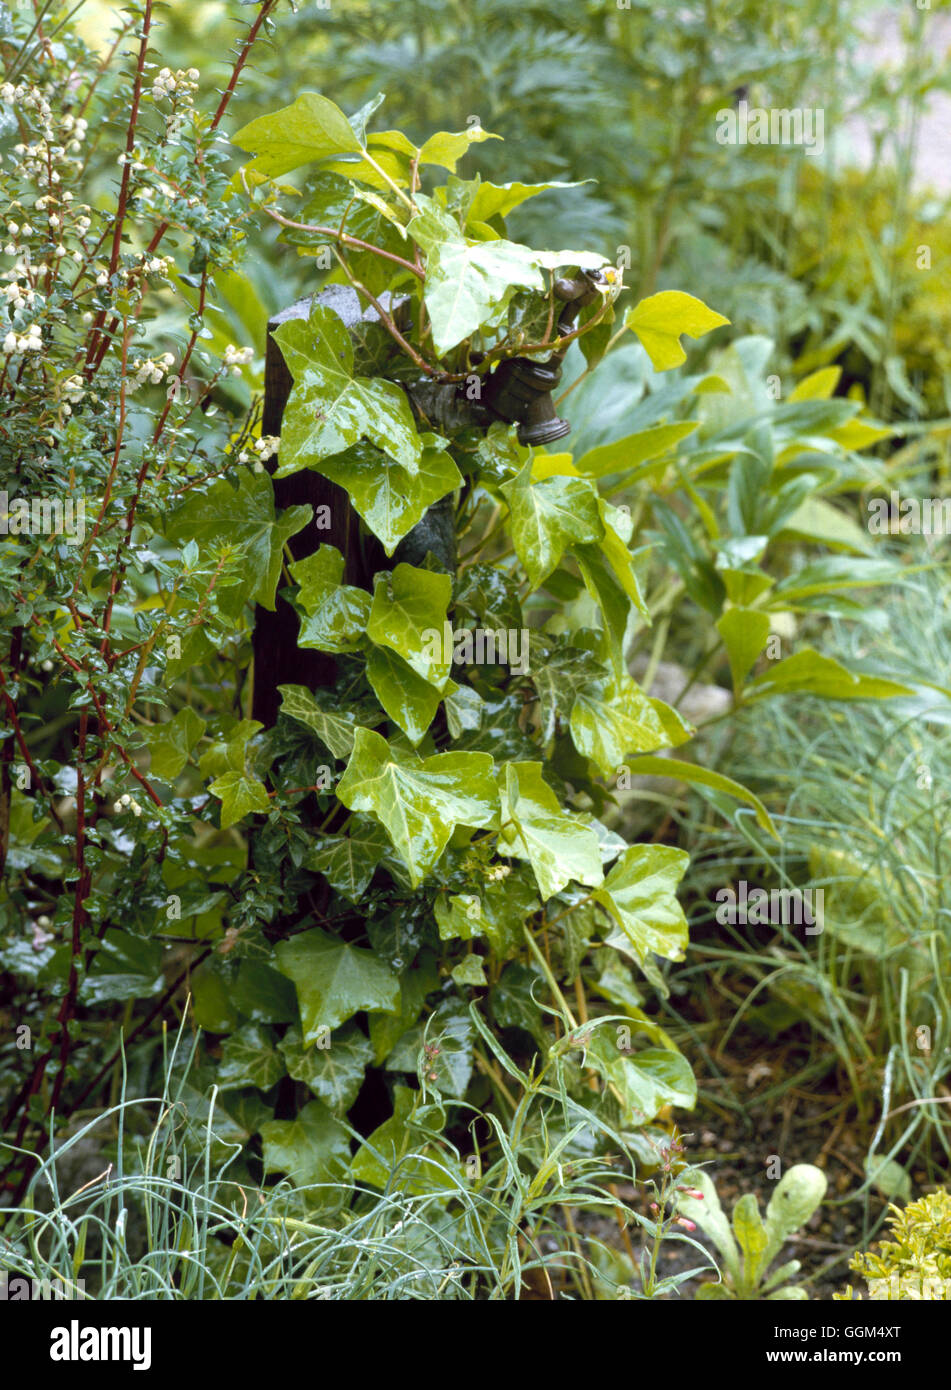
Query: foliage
(752, 1246)
(916, 1263)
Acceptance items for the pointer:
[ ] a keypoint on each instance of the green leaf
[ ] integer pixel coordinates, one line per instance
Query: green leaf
(808, 672)
(171, 743)
(330, 409)
(402, 1156)
(240, 795)
(643, 1082)
(660, 319)
(445, 149)
(640, 894)
(611, 719)
(348, 861)
(249, 1058)
(336, 613)
(709, 1215)
(391, 499)
(321, 711)
(626, 455)
(470, 972)
(467, 282)
(408, 699)
(498, 199)
(797, 1195)
(335, 1073)
(744, 632)
(244, 519)
(311, 128)
(549, 516)
(702, 776)
(615, 604)
(334, 980)
(314, 1148)
(752, 1239)
(534, 827)
(418, 801)
(415, 984)
(408, 616)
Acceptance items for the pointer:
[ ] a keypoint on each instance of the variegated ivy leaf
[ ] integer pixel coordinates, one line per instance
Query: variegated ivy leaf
(409, 615)
(419, 801)
(334, 1073)
(249, 1058)
(640, 895)
(611, 719)
(548, 517)
(321, 711)
(535, 827)
(336, 613)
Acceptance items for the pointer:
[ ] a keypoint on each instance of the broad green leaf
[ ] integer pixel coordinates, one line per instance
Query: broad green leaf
(660, 319)
(470, 971)
(549, 516)
(212, 1005)
(809, 672)
(336, 613)
(249, 1058)
(445, 149)
(817, 386)
(229, 753)
(744, 632)
(263, 995)
(313, 1148)
(334, 1074)
(418, 801)
(534, 827)
(334, 980)
(640, 894)
(498, 200)
(797, 1195)
(348, 861)
(170, 743)
(409, 615)
(496, 911)
(321, 711)
(611, 719)
(627, 454)
(240, 795)
(408, 699)
(704, 777)
(832, 574)
(330, 409)
(642, 1082)
(243, 518)
(311, 128)
(752, 1239)
(124, 967)
(391, 499)
(709, 1215)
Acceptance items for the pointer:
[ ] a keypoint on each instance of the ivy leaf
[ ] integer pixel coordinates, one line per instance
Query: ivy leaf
(171, 743)
(534, 827)
(314, 1148)
(249, 1058)
(660, 319)
(334, 980)
(610, 719)
(244, 518)
(419, 801)
(348, 861)
(240, 794)
(640, 895)
(402, 1156)
(335, 1073)
(549, 516)
(408, 615)
(329, 408)
(391, 499)
(602, 584)
(321, 711)
(467, 282)
(408, 699)
(559, 671)
(336, 612)
(311, 128)
(644, 1082)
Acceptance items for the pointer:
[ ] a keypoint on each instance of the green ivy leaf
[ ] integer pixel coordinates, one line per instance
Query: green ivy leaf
(418, 801)
(170, 743)
(660, 319)
(408, 616)
(549, 516)
(408, 699)
(244, 518)
(391, 499)
(643, 1082)
(249, 1058)
(311, 128)
(640, 895)
(335, 1073)
(402, 1156)
(313, 1148)
(611, 719)
(330, 409)
(321, 711)
(336, 613)
(334, 980)
(445, 148)
(240, 795)
(534, 827)
(348, 861)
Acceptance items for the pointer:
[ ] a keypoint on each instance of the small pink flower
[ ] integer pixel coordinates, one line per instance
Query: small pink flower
(687, 1225)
